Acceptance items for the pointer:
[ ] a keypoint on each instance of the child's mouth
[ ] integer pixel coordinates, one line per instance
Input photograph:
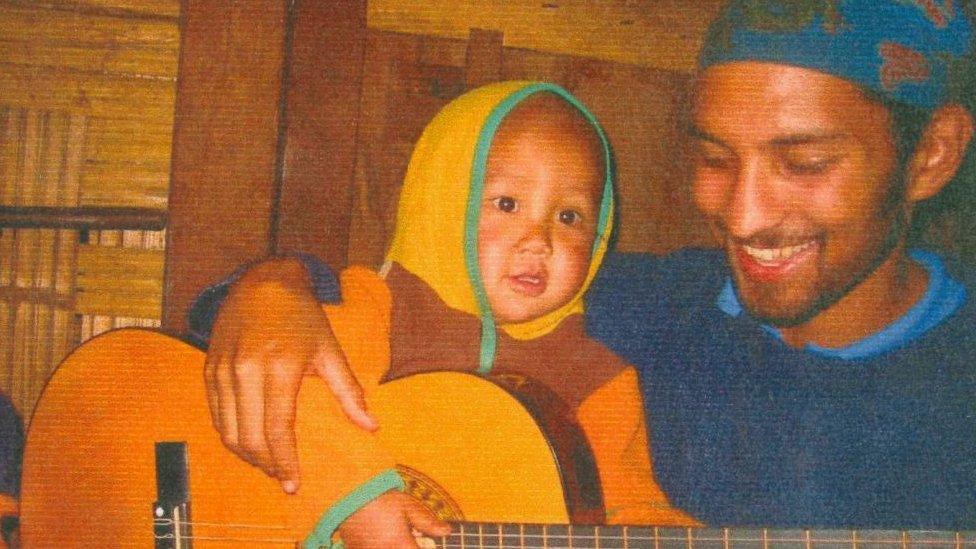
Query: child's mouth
(531, 285)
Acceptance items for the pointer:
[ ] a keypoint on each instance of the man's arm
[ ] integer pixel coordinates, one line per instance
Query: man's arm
(267, 332)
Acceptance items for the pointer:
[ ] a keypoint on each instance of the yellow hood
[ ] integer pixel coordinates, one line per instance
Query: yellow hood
(440, 204)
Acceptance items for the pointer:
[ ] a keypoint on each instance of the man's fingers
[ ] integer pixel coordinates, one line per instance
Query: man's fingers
(249, 388)
(330, 364)
(227, 407)
(280, 399)
(213, 396)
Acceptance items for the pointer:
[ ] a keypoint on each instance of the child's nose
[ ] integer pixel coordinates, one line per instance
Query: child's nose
(536, 241)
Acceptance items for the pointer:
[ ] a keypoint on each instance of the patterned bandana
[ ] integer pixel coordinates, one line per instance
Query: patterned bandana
(904, 50)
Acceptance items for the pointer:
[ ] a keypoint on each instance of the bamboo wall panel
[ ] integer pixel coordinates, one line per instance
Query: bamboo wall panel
(136, 300)
(41, 156)
(88, 43)
(88, 89)
(120, 281)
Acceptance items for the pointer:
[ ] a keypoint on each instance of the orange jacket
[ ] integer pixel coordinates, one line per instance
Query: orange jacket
(611, 418)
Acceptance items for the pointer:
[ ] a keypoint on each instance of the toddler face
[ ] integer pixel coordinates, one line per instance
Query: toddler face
(540, 207)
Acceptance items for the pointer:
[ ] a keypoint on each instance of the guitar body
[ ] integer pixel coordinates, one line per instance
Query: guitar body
(89, 476)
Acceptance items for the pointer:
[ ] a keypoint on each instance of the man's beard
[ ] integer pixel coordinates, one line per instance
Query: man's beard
(829, 294)
(827, 297)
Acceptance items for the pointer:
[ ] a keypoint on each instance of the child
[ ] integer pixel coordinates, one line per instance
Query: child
(504, 217)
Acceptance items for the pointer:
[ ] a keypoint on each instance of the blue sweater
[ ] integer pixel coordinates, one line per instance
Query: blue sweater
(748, 431)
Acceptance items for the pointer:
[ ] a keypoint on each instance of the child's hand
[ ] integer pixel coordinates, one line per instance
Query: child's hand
(389, 522)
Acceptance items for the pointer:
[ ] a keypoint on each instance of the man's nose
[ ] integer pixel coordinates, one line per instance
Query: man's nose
(753, 203)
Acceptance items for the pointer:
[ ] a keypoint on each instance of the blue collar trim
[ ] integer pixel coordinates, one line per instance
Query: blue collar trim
(942, 298)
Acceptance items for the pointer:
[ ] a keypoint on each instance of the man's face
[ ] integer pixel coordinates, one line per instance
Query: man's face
(795, 170)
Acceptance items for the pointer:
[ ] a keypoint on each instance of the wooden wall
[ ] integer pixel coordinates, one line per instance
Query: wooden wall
(407, 78)
(87, 89)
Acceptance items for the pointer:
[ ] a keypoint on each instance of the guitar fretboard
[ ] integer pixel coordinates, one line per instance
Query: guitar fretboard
(468, 535)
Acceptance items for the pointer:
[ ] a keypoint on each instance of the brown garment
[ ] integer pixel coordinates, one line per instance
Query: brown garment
(426, 335)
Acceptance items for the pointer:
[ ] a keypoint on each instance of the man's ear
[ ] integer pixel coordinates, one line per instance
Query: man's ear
(939, 152)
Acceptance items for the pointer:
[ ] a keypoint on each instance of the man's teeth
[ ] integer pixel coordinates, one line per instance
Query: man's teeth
(530, 279)
(775, 255)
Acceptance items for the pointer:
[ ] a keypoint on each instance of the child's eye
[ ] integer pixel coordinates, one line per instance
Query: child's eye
(505, 204)
(570, 217)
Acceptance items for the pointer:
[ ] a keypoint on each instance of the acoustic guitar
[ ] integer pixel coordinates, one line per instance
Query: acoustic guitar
(121, 453)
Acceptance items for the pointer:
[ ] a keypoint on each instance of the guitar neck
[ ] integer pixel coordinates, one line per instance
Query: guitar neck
(476, 535)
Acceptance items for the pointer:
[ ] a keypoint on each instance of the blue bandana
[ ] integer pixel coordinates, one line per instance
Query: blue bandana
(901, 49)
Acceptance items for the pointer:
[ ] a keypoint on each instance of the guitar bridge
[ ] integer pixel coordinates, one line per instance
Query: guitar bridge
(171, 511)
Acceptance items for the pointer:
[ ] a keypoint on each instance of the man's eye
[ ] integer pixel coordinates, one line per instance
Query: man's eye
(505, 204)
(714, 159)
(570, 217)
(808, 166)
(711, 155)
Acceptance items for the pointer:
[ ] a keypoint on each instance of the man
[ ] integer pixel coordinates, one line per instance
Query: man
(816, 373)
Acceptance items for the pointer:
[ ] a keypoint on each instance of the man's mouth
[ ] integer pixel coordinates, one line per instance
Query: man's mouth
(529, 284)
(775, 256)
(768, 264)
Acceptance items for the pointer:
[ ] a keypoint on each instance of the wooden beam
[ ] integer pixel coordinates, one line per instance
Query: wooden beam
(82, 218)
(323, 103)
(225, 143)
(484, 57)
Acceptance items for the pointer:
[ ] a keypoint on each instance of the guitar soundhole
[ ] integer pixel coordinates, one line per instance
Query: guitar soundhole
(428, 492)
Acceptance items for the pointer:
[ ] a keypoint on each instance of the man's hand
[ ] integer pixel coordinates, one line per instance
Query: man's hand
(389, 522)
(269, 332)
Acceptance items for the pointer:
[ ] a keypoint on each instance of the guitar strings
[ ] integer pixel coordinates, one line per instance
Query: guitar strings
(171, 522)
(464, 537)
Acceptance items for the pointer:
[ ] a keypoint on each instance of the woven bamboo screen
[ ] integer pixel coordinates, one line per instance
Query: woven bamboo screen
(87, 89)
(40, 164)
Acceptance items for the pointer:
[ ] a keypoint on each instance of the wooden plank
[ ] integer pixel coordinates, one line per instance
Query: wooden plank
(367, 233)
(38, 24)
(320, 139)
(95, 95)
(64, 279)
(434, 50)
(9, 144)
(119, 184)
(119, 281)
(25, 194)
(168, 9)
(224, 144)
(20, 355)
(141, 61)
(150, 147)
(656, 211)
(664, 34)
(484, 57)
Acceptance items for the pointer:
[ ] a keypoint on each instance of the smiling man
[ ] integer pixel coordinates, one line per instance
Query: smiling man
(816, 371)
